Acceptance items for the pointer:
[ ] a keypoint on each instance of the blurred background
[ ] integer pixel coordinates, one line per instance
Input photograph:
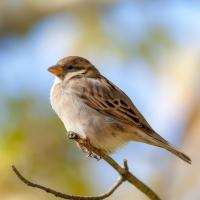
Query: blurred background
(148, 48)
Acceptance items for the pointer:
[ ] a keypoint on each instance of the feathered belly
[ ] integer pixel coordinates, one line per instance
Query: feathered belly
(102, 131)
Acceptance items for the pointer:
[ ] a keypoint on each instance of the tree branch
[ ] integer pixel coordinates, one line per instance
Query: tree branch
(67, 196)
(124, 173)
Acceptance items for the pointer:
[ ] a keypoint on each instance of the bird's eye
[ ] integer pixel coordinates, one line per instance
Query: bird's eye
(70, 67)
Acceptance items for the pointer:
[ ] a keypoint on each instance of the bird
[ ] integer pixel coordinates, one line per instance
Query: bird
(97, 110)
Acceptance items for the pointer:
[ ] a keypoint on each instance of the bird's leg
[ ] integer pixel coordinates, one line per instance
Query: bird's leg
(89, 146)
(85, 145)
(87, 150)
(90, 149)
(82, 147)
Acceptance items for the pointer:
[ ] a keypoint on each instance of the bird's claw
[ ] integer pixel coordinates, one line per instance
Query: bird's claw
(92, 155)
(85, 146)
(72, 135)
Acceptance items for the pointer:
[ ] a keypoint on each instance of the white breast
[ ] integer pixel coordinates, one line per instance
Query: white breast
(67, 107)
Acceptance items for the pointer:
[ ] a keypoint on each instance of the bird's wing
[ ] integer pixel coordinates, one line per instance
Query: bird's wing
(108, 99)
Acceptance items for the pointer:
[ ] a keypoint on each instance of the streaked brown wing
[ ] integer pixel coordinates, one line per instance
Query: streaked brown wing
(108, 99)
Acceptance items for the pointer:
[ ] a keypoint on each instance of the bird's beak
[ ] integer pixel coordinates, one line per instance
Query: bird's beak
(56, 69)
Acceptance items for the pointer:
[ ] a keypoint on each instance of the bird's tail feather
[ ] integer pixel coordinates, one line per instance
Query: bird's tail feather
(164, 144)
(179, 154)
(158, 141)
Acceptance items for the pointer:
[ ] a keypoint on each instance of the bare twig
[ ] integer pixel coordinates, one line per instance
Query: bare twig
(125, 175)
(67, 196)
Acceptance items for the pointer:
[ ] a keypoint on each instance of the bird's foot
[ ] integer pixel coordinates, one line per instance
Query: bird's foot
(89, 149)
(72, 135)
(85, 145)
(95, 156)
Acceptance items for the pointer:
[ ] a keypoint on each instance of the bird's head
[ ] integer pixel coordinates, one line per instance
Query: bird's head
(71, 66)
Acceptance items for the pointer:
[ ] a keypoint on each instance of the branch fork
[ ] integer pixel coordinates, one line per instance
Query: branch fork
(125, 175)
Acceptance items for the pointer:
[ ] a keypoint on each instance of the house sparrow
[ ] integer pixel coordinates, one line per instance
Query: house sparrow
(97, 110)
